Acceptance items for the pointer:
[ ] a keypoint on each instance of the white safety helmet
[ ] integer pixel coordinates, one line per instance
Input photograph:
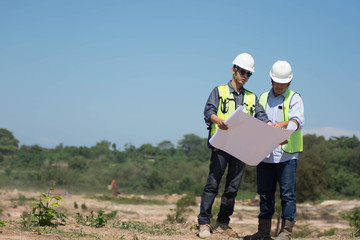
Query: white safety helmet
(281, 72)
(245, 61)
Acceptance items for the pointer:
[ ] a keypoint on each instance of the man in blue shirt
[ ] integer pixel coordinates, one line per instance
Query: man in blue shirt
(285, 109)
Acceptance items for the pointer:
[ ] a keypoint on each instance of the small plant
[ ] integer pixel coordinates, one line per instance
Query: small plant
(131, 200)
(83, 207)
(80, 219)
(181, 208)
(93, 221)
(194, 227)
(75, 234)
(135, 238)
(21, 200)
(3, 223)
(277, 215)
(215, 210)
(154, 229)
(8, 171)
(111, 215)
(81, 233)
(302, 232)
(330, 232)
(43, 213)
(76, 206)
(353, 217)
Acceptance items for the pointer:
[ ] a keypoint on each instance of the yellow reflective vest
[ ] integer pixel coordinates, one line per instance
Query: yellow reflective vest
(295, 141)
(227, 104)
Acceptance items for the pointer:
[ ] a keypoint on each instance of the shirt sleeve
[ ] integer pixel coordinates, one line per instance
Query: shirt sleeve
(211, 106)
(260, 112)
(296, 111)
(292, 126)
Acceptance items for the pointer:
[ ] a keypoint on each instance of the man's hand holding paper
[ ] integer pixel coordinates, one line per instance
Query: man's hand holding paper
(247, 138)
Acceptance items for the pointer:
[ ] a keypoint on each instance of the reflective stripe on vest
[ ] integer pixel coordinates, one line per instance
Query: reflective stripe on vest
(227, 104)
(295, 141)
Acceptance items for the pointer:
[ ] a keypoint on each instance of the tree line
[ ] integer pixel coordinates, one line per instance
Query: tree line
(326, 169)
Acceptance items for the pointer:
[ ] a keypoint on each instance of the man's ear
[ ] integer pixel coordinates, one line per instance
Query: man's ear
(233, 70)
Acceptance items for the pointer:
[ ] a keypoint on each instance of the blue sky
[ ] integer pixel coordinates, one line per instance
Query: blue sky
(136, 72)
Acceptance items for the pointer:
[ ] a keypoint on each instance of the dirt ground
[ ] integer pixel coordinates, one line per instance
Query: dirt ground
(311, 218)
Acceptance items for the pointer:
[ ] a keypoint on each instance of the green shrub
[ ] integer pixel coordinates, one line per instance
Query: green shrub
(301, 234)
(111, 215)
(353, 217)
(181, 208)
(43, 213)
(131, 200)
(215, 210)
(155, 229)
(330, 232)
(21, 199)
(83, 206)
(93, 221)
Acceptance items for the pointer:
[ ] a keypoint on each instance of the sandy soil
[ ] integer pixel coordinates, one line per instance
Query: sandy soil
(315, 218)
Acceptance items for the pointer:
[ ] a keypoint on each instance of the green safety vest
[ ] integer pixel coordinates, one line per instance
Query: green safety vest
(227, 104)
(295, 141)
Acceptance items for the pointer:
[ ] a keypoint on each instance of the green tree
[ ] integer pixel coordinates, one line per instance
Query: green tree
(189, 142)
(8, 144)
(154, 180)
(113, 146)
(165, 145)
(148, 149)
(354, 160)
(200, 152)
(185, 184)
(346, 142)
(29, 157)
(78, 163)
(167, 149)
(311, 179)
(100, 148)
(342, 163)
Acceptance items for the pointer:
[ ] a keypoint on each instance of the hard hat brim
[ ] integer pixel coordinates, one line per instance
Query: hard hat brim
(246, 68)
(281, 80)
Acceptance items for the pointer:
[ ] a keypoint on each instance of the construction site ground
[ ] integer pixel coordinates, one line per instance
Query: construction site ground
(312, 220)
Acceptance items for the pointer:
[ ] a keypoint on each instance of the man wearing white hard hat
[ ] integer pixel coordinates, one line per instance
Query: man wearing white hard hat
(285, 109)
(222, 102)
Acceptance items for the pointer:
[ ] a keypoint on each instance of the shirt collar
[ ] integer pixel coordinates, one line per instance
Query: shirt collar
(232, 89)
(273, 95)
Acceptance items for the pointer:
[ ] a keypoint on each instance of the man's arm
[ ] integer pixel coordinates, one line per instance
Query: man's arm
(260, 113)
(211, 106)
(292, 124)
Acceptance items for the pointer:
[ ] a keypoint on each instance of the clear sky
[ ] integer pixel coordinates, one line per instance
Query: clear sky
(136, 72)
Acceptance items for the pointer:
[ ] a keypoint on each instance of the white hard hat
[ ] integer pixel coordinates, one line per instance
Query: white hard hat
(281, 72)
(245, 61)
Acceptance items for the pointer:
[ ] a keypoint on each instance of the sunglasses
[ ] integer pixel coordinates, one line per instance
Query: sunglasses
(243, 72)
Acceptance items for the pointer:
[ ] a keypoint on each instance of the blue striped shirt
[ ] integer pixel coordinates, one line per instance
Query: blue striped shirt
(273, 110)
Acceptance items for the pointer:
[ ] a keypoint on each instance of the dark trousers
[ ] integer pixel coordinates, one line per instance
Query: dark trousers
(268, 175)
(219, 161)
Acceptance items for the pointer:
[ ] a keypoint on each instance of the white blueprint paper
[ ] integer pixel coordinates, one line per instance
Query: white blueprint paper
(247, 138)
